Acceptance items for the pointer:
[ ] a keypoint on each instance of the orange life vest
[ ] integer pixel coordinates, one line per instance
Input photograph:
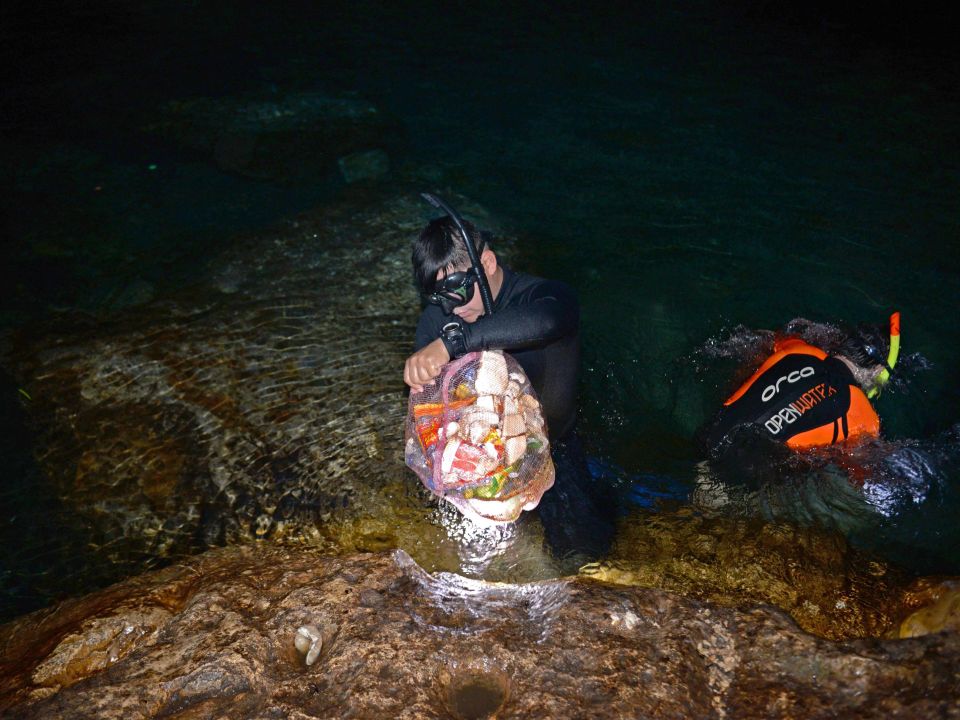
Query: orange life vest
(802, 397)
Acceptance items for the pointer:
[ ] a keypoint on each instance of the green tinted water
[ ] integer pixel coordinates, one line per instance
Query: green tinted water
(686, 171)
(689, 171)
(744, 180)
(696, 172)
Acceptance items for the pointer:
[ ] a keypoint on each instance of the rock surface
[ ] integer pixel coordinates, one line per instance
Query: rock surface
(940, 607)
(266, 400)
(287, 137)
(215, 637)
(224, 413)
(828, 587)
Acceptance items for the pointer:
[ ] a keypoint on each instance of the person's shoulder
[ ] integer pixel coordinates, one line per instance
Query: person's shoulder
(431, 321)
(432, 316)
(526, 282)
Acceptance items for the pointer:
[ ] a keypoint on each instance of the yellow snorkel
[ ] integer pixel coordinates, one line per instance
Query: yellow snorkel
(892, 356)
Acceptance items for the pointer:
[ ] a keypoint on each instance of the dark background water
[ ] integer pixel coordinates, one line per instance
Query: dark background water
(688, 167)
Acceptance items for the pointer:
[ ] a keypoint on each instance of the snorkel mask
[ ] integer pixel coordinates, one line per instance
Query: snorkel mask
(457, 288)
(884, 377)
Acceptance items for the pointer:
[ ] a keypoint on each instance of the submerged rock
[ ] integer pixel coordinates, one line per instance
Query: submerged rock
(266, 401)
(218, 635)
(370, 165)
(940, 607)
(286, 137)
(828, 587)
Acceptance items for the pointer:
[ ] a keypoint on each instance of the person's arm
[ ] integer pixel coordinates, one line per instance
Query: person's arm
(545, 312)
(548, 312)
(431, 354)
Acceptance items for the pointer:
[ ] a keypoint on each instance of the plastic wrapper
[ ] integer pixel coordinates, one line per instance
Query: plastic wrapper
(476, 437)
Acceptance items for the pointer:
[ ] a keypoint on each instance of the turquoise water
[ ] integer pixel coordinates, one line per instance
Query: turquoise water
(688, 169)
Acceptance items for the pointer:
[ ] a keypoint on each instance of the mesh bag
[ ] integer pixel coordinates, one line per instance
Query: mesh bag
(476, 437)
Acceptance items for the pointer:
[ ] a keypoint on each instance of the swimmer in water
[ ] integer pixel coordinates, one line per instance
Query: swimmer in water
(897, 498)
(474, 302)
(805, 397)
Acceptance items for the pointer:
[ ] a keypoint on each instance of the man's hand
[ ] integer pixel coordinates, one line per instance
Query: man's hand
(425, 364)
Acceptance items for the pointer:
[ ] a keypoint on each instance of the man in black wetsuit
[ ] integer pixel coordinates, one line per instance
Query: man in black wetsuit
(537, 322)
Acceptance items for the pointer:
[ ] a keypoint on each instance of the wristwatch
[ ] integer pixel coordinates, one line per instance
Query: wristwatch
(453, 340)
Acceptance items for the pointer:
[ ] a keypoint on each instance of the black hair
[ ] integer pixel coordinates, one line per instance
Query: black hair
(439, 246)
(865, 344)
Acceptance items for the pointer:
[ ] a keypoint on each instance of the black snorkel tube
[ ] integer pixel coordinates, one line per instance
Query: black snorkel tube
(471, 250)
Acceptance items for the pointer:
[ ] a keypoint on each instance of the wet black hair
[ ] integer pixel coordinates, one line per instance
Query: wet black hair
(440, 246)
(866, 344)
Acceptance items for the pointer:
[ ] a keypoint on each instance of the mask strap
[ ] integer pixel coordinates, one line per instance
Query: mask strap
(471, 250)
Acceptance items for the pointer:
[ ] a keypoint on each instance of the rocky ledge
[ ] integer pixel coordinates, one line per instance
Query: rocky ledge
(272, 632)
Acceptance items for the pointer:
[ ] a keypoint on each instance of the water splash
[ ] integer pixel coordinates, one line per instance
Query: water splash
(895, 497)
(452, 603)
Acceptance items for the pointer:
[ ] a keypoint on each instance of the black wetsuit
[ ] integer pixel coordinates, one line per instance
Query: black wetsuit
(537, 322)
(798, 398)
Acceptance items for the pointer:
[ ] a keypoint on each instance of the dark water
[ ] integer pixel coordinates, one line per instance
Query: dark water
(688, 168)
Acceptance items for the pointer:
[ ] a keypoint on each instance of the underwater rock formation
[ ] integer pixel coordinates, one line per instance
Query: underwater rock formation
(263, 402)
(939, 607)
(286, 137)
(267, 402)
(229, 633)
(828, 587)
(360, 166)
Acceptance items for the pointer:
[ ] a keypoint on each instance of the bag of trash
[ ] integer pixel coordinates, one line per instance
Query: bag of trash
(477, 438)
